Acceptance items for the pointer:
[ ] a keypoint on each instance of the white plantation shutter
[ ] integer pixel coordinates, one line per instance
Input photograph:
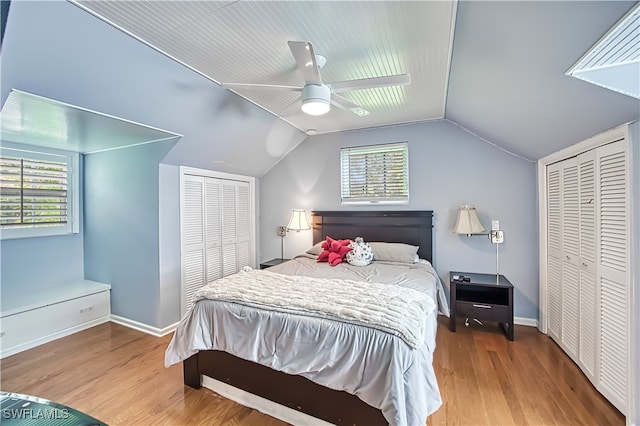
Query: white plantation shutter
(38, 193)
(613, 263)
(375, 174)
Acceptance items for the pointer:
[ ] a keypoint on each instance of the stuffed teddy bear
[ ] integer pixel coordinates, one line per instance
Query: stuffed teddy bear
(334, 251)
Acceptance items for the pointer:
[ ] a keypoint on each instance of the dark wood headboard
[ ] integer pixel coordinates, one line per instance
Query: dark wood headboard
(410, 227)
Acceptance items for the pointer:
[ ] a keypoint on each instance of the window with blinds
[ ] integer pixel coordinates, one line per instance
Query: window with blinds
(375, 174)
(35, 193)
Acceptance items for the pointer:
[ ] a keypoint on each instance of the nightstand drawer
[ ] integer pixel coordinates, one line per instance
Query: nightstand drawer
(488, 312)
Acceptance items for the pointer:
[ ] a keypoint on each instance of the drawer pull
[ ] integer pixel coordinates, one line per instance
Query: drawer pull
(482, 306)
(87, 309)
(2, 333)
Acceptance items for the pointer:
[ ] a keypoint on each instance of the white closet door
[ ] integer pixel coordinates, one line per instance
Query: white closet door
(587, 324)
(229, 228)
(613, 265)
(213, 228)
(243, 224)
(192, 239)
(571, 258)
(554, 251)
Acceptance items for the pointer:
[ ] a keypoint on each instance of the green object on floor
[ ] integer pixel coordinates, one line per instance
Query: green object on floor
(25, 410)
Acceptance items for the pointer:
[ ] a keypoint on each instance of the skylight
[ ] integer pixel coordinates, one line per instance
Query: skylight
(614, 61)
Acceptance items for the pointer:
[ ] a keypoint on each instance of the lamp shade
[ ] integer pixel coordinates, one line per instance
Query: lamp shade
(468, 221)
(298, 221)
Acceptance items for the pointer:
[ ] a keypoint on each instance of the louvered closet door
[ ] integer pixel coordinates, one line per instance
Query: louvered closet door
(213, 228)
(613, 264)
(554, 251)
(570, 258)
(193, 239)
(229, 228)
(243, 224)
(587, 324)
(236, 226)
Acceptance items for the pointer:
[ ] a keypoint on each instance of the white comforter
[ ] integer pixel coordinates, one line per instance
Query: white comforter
(378, 367)
(396, 310)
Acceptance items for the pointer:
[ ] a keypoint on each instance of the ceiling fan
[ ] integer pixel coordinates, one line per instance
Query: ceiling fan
(317, 96)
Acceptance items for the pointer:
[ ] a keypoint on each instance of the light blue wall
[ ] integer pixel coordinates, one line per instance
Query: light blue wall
(121, 223)
(59, 259)
(56, 50)
(169, 221)
(448, 166)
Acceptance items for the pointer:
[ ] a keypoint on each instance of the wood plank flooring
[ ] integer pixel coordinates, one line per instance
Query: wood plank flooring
(116, 375)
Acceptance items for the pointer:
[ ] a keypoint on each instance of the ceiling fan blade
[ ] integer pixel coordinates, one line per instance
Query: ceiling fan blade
(291, 109)
(261, 86)
(369, 83)
(347, 105)
(306, 59)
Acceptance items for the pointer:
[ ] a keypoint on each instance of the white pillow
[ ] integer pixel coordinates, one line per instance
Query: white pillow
(394, 252)
(316, 249)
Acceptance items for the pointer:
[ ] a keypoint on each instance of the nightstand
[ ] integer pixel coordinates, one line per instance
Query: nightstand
(272, 262)
(486, 297)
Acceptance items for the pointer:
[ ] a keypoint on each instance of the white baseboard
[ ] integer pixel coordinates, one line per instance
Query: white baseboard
(145, 328)
(529, 322)
(273, 409)
(5, 352)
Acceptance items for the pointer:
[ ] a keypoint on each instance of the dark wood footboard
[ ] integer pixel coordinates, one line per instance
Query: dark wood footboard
(296, 392)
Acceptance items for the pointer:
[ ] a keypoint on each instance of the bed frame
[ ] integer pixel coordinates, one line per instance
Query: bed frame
(297, 392)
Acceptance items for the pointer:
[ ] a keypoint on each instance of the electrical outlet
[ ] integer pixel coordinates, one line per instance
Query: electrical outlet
(495, 225)
(497, 237)
(282, 231)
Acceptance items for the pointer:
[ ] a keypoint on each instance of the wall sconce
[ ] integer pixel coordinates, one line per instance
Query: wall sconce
(298, 222)
(468, 222)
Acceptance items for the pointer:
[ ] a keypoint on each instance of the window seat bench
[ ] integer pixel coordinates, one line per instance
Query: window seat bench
(32, 318)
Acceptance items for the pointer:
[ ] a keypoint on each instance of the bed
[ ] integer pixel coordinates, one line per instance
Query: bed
(302, 390)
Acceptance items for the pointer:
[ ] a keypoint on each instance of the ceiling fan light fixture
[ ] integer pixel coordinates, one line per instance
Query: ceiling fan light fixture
(316, 100)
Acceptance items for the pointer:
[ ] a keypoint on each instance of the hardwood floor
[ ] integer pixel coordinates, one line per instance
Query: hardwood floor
(116, 375)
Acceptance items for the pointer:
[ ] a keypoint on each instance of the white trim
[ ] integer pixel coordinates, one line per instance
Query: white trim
(273, 409)
(454, 12)
(528, 322)
(215, 174)
(145, 328)
(542, 226)
(133, 144)
(603, 138)
(633, 410)
(53, 336)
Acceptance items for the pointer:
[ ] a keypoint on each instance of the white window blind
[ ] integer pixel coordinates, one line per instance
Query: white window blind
(38, 192)
(32, 192)
(375, 174)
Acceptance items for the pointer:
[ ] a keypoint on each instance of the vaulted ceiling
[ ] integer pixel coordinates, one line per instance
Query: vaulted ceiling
(495, 68)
